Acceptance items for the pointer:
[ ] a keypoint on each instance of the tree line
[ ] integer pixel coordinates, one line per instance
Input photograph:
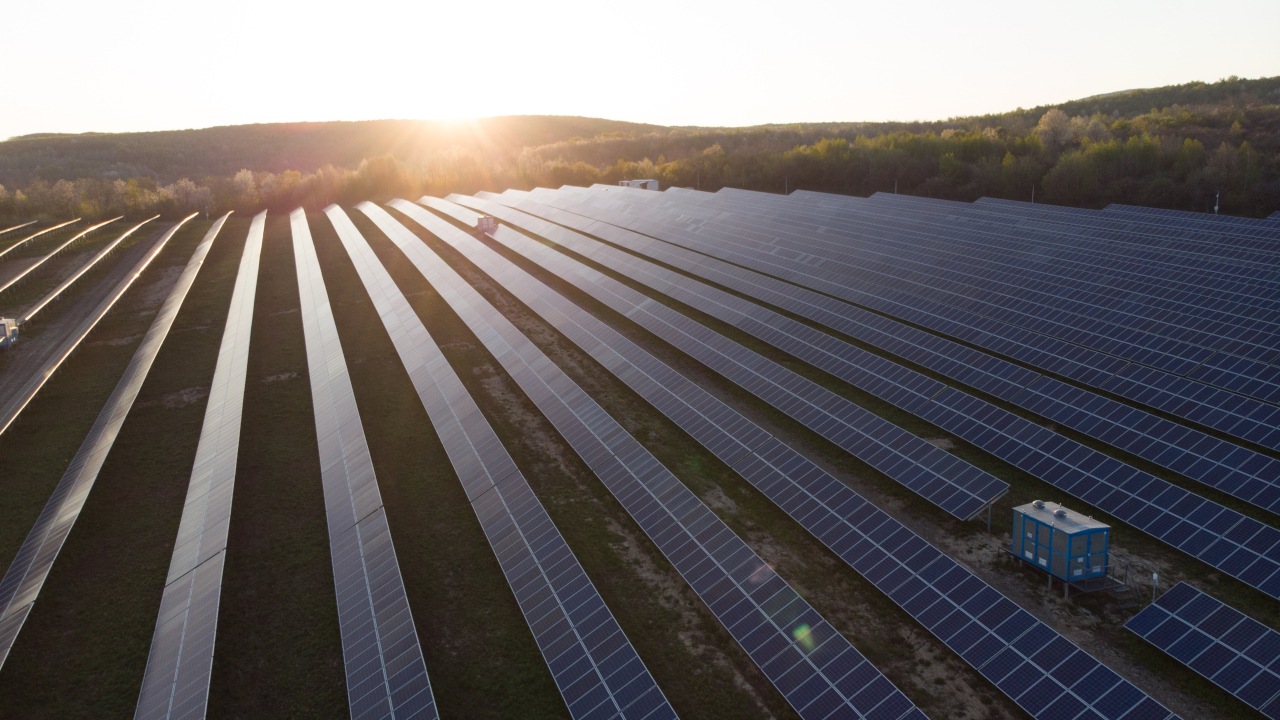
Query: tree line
(1224, 149)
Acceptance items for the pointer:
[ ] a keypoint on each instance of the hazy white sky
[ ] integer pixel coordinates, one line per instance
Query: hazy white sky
(93, 66)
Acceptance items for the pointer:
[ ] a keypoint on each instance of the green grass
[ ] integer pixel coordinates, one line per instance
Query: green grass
(84, 647)
(693, 659)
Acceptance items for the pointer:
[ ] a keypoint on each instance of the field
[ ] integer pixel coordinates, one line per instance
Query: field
(83, 650)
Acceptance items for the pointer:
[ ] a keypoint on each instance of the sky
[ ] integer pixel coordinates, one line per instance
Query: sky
(116, 67)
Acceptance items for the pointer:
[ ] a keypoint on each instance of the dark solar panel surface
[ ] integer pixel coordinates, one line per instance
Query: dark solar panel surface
(884, 550)
(1234, 414)
(936, 475)
(1246, 474)
(1234, 651)
(593, 663)
(871, 262)
(176, 681)
(1220, 536)
(28, 570)
(812, 665)
(997, 266)
(386, 675)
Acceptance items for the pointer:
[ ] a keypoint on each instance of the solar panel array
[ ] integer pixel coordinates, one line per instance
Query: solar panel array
(973, 619)
(812, 665)
(386, 675)
(934, 474)
(52, 295)
(1220, 536)
(19, 401)
(1246, 474)
(41, 261)
(1228, 412)
(27, 572)
(33, 235)
(1234, 651)
(19, 226)
(176, 681)
(593, 663)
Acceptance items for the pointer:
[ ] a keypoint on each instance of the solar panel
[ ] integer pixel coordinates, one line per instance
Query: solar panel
(814, 667)
(26, 574)
(19, 226)
(938, 476)
(1243, 473)
(34, 266)
(19, 400)
(1007, 260)
(885, 551)
(386, 676)
(1073, 361)
(34, 235)
(564, 610)
(1221, 537)
(52, 295)
(1233, 651)
(176, 681)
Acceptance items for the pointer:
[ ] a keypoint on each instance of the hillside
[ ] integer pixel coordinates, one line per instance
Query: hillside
(1183, 147)
(305, 147)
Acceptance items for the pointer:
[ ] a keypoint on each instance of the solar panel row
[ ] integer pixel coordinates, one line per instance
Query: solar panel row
(1107, 312)
(52, 295)
(893, 253)
(29, 568)
(386, 675)
(1147, 237)
(17, 277)
(593, 663)
(1239, 298)
(176, 681)
(1234, 651)
(18, 401)
(1125, 251)
(34, 235)
(972, 618)
(1116, 257)
(19, 226)
(942, 478)
(1219, 536)
(1235, 300)
(1204, 314)
(1246, 474)
(812, 665)
(1222, 410)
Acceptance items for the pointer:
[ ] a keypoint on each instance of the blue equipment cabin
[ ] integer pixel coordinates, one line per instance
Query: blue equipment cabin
(1059, 541)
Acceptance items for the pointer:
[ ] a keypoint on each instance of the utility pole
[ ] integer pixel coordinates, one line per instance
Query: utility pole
(1033, 194)
(1216, 196)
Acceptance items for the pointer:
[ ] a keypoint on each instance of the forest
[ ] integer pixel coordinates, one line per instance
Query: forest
(1184, 147)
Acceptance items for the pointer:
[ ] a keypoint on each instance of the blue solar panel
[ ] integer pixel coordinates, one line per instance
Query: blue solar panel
(1073, 361)
(564, 610)
(386, 675)
(1186, 521)
(1235, 652)
(952, 484)
(895, 559)
(1243, 473)
(810, 663)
